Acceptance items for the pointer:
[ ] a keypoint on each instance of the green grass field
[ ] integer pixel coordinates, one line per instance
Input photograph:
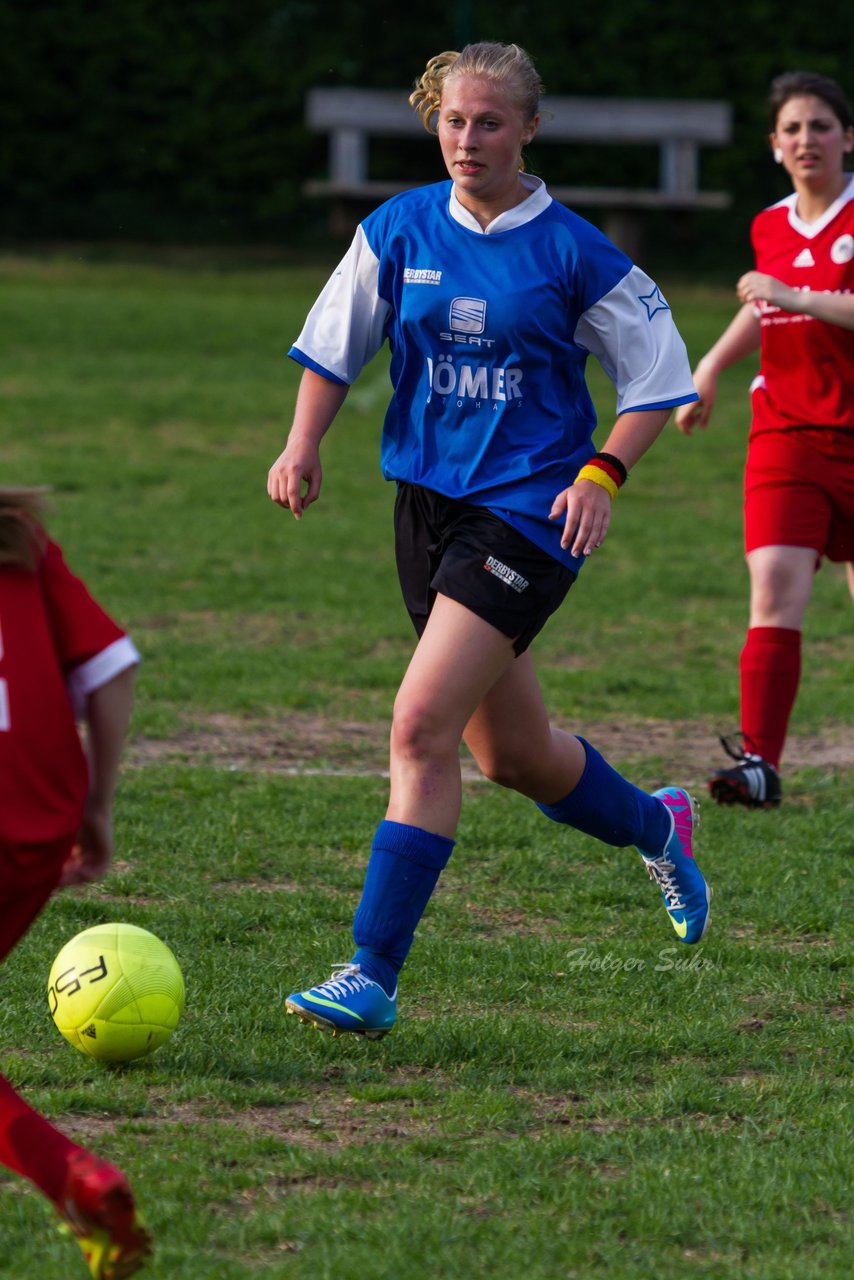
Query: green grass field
(568, 1093)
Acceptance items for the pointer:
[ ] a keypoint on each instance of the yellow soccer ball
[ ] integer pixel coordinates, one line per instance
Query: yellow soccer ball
(116, 992)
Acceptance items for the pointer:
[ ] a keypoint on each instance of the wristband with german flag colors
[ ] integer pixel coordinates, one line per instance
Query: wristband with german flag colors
(605, 470)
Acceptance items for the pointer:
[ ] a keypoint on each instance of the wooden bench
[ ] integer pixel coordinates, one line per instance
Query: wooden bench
(351, 117)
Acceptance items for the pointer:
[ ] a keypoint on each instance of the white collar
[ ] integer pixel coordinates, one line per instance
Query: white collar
(529, 208)
(810, 229)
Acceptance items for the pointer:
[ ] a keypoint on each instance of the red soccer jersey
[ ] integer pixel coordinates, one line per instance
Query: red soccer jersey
(50, 630)
(807, 365)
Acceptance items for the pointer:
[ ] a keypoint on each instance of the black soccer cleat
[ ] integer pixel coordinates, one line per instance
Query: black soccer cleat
(753, 782)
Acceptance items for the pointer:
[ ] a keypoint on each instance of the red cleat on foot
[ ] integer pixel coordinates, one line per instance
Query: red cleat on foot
(97, 1208)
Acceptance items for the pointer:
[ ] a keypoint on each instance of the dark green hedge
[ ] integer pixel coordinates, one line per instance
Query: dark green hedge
(182, 121)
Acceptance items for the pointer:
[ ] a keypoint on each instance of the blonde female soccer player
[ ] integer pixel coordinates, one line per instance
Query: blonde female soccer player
(491, 297)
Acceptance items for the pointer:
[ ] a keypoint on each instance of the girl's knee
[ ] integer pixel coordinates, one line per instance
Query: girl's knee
(416, 734)
(781, 581)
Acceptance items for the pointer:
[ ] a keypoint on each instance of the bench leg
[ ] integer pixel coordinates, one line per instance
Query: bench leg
(625, 228)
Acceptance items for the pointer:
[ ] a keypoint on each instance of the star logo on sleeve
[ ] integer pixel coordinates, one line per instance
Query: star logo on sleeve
(653, 302)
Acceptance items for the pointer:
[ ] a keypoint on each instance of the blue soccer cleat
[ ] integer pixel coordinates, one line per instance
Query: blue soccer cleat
(685, 892)
(348, 1001)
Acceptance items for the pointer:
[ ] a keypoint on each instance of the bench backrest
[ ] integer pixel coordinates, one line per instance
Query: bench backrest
(678, 127)
(387, 113)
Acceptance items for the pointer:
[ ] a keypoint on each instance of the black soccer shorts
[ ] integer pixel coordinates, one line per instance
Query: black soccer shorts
(472, 556)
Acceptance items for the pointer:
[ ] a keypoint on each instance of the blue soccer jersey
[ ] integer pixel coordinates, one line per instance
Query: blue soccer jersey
(489, 335)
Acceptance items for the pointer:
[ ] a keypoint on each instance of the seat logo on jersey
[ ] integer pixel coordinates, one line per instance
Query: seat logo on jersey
(804, 259)
(467, 323)
(842, 250)
(468, 315)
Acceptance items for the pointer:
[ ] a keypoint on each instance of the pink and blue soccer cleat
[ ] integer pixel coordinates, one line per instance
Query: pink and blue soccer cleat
(685, 892)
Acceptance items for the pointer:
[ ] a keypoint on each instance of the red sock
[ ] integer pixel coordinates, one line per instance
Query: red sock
(30, 1145)
(770, 674)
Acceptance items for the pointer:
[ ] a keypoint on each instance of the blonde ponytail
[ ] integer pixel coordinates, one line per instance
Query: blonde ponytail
(426, 97)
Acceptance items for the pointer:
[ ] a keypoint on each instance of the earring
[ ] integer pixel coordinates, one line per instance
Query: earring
(778, 155)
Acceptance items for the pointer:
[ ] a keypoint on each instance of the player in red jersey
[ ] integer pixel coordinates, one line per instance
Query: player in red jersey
(798, 309)
(61, 658)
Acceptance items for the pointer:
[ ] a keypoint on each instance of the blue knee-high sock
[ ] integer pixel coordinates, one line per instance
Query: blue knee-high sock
(605, 805)
(403, 870)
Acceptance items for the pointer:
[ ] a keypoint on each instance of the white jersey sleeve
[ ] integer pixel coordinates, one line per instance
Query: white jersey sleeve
(99, 670)
(631, 333)
(347, 324)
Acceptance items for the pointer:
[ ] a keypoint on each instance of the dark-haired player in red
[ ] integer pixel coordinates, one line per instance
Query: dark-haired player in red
(62, 659)
(799, 480)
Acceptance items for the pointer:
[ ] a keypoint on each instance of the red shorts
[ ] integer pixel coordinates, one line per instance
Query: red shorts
(799, 491)
(28, 878)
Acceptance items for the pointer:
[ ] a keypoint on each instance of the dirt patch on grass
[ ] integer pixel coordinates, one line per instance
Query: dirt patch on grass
(329, 1119)
(302, 744)
(309, 744)
(332, 1119)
